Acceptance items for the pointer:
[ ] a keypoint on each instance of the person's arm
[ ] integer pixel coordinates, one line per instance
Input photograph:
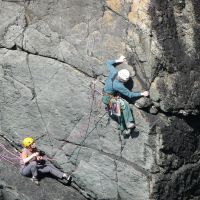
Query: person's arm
(145, 94)
(110, 64)
(27, 158)
(126, 92)
(120, 59)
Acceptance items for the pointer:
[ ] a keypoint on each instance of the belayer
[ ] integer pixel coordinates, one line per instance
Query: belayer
(33, 163)
(114, 86)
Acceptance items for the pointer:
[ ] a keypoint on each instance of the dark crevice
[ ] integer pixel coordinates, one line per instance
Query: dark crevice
(114, 157)
(81, 190)
(36, 102)
(196, 6)
(70, 64)
(16, 146)
(177, 113)
(122, 142)
(117, 180)
(164, 24)
(181, 138)
(64, 62)
(14, 47)
(193, 121)
(134, 59)
(34, 95)
(174, 186)
(109, 8)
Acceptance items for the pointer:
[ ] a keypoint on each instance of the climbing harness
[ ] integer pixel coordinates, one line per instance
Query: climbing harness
(113, 106)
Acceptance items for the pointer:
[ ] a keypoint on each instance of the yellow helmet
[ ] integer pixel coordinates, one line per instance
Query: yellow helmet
(28, 141)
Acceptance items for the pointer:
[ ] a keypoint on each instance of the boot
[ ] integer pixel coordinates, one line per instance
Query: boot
(130, 125)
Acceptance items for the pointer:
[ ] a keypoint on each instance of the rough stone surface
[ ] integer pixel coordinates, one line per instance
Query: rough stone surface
(13, 186)
(52, 70)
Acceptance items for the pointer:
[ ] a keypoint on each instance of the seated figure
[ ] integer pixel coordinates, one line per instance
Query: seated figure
(33, 163)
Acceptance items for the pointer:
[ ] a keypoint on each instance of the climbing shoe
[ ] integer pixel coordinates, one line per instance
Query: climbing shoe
(68, 178)
(130, 125)
(35, 180)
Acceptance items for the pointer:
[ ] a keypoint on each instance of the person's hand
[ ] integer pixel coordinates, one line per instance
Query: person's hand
(121, 59)
(35, 154)
(39, 158)
(145, 93)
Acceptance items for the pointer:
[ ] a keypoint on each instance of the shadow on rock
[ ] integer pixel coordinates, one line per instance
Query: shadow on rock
(65, 182)
(129, 84)
(131, 133)
(134, 133)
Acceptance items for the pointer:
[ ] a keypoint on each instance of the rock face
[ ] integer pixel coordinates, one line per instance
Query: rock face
(13, 186)
(52, 69)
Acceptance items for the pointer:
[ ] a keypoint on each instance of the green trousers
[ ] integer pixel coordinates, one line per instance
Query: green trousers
(126, 112)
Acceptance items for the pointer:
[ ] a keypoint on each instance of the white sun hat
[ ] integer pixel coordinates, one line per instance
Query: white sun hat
(124, 74)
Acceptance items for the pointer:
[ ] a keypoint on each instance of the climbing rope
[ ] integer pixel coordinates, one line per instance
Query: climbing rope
(14, 158)
(94, 90)
(8, 156)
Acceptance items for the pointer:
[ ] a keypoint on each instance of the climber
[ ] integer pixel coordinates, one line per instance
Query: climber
(114, 86)
(33, 163)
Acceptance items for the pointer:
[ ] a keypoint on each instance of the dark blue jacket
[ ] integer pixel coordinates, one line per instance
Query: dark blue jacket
(113, 85)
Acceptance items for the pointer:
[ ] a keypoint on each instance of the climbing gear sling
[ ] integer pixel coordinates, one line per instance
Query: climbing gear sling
(112, 100)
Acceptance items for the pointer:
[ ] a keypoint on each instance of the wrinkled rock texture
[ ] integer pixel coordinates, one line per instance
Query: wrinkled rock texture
(52, 70)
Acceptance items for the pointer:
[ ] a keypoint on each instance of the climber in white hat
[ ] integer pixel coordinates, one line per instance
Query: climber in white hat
(114, 86)
(123, 75)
